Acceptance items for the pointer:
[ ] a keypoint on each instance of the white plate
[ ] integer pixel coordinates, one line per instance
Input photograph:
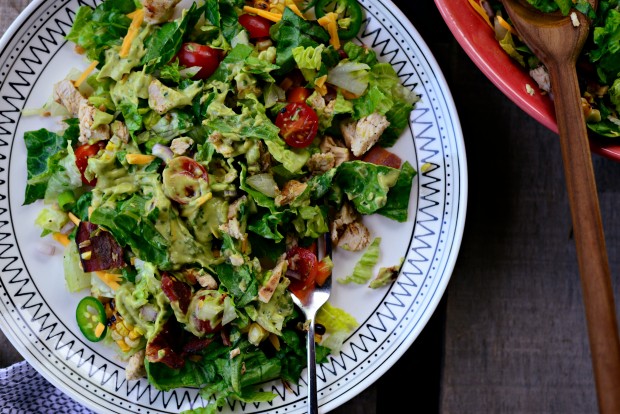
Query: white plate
(37, 313)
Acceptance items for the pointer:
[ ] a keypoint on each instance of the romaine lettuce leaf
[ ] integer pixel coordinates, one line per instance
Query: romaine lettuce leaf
(397, 206)
(45, 150)
(338, 326)
(165, 43)
(240, 282)
(291, 32)
(99, 29)
(363, 270)
(606, 53)
(293, 159)
(366, 185)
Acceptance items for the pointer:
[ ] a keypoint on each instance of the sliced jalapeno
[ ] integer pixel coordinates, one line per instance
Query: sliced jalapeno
(349, 15)
(90, 313)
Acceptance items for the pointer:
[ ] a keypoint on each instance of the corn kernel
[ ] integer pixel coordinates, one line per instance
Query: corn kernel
(123, 346)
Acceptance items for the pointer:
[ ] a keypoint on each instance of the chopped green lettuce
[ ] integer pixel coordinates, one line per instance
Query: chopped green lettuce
(102, 28)
(366, 185)
(338, 326)
(163, 44)
(397, 206)
(75, 278)
(363, 270)
(45, 150)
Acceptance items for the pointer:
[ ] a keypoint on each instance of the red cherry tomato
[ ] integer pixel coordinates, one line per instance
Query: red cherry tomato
(184, 179)
(302, 268)
(297, 94)
(194, 54)
(298, 124)
(323, 271)
(82, 154)
(256, 26)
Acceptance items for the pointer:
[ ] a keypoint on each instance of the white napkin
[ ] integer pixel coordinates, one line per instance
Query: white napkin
(24, 391)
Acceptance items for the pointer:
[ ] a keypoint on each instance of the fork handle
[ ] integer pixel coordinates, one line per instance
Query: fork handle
(589, 238)
(313, 406)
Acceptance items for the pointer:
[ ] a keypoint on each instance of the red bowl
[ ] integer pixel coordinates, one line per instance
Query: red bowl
(478, 41)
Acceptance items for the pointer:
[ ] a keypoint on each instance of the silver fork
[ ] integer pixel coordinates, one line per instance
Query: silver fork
(310, 306)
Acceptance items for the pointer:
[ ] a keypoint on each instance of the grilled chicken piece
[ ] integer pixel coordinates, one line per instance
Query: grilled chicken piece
(135, 366)
(66, 94)
(292, 189)
(331, 146)
(321, 162)
(159, 11)
(361, 135)
(348, 231)
(266, 291)
(86, 115)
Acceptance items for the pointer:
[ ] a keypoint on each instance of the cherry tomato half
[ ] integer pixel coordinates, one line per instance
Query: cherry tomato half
(195, 54)
(82, 154)
(303, 264)
(298, 94)
(185, 180)
(256, 26)
(298, 124)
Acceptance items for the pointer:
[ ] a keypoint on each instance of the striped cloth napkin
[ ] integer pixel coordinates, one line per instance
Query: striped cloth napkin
(24, 391)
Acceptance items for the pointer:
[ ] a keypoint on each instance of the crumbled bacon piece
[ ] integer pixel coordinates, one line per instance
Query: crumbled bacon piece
(98, 248)
(177, 292)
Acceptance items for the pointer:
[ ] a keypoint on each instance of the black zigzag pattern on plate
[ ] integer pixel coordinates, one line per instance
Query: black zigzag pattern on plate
(106, 374)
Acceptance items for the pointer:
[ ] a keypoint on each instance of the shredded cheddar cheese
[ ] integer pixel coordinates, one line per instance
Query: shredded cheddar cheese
(85, 74)
(61, 238)
(74, 219)
(109, 279)
(99, 329)
(203, 199)
(274, 17)
(330, 22)
(319, 85)
(505, 24)
(480, 10)
(134, 28)
(296, 10)
(139, 159)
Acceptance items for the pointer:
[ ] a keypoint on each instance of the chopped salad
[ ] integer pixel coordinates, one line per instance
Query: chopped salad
(202, 153)
(598, 67)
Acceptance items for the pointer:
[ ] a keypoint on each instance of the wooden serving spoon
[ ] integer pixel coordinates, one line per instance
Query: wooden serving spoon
(557, 40)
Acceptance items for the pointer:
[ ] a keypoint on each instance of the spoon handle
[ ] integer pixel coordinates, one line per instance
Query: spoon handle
(589, 238)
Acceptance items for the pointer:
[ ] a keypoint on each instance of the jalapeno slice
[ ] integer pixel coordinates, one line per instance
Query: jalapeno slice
(349, 15)
(90, 313)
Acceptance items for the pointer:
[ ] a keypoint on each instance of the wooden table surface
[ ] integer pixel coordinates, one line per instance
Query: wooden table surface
(509, 335)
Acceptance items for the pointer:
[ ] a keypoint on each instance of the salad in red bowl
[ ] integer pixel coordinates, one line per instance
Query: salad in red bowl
(484, 31)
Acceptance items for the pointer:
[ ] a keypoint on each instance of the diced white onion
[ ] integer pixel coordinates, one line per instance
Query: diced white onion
(163, 152)
(46, 249)
(66, 229)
